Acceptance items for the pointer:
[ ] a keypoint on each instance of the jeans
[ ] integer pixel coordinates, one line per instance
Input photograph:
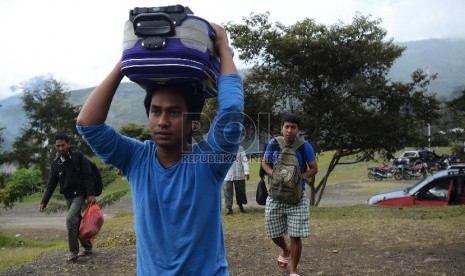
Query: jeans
(73, 221)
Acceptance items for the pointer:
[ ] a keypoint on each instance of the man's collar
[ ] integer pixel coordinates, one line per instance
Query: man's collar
(66, 156)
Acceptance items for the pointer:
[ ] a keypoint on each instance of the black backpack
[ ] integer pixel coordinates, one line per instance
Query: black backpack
(96, 174)
(262, 193)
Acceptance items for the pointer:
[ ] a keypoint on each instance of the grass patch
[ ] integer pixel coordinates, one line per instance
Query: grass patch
(15, 250)
(255, 216)
(120, 184)
(32, 199)
(119, 231)
(375, 213)
(389, 228)
(375, 187)
(254, 168)
(7, 241)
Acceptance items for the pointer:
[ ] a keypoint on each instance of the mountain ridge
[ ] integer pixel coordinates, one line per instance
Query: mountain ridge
(446, 57)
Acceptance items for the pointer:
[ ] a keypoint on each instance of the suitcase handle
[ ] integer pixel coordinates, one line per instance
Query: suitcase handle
(176, 12)
(153, 24)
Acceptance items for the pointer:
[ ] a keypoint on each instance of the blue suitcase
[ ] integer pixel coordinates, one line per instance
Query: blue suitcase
(167, 45)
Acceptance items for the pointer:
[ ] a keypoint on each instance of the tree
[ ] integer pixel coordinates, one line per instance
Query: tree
(259, 111)
(48, 113)
(452, 122)
(1, 138)
(459, 102)
(2, 155)
(22, 183)
(336, 78)
(136, 131)
(260, 115)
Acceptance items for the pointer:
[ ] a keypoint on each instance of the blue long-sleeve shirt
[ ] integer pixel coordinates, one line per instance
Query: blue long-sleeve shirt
(177, 211)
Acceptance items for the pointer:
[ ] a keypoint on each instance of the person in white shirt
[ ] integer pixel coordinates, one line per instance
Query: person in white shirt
(235, 180)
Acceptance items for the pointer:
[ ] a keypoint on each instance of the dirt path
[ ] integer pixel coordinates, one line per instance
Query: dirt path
(331, 250)
(23, 216)
(28, 216)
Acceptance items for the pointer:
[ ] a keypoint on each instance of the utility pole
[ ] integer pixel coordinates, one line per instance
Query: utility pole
(429, 137)
(429, 125)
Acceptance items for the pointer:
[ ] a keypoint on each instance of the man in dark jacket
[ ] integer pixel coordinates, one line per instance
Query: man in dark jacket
(73, 172)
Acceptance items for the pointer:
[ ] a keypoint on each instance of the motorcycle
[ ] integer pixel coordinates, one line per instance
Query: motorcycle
(406, 172)
(379, 173)
(442, 164)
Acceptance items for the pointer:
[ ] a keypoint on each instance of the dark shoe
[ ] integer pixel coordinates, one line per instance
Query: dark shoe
(72, 257)
(85, 253)
(229, 211)
(241, 209)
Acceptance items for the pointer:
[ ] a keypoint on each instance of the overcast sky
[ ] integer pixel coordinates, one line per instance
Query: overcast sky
(78, 42)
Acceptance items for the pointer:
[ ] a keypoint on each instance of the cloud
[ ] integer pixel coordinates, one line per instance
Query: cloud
(80, 41)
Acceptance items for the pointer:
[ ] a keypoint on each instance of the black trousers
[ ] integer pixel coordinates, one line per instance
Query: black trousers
(228, 189)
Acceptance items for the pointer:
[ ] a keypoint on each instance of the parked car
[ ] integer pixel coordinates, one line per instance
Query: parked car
(442, 188)
(414, 157)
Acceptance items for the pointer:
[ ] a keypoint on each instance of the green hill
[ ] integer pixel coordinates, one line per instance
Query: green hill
(127, 105)
(446, 57)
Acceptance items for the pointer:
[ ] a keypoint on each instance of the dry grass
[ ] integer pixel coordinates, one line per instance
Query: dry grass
(355, 240)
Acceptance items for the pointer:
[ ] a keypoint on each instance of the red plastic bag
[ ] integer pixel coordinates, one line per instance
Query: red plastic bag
(92, 221)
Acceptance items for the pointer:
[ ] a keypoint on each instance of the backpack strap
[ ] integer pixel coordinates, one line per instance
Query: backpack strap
(297, 145)
(294, 146)
(78, 159)
(280, 143)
